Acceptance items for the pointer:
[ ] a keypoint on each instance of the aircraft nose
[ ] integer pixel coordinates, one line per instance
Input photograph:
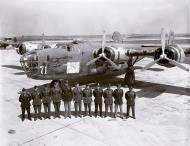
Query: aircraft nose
(29, 62)
(24, 62)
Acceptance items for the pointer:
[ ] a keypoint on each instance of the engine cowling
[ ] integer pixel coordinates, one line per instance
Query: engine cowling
(21, 49)
(27, 47)
(174, 52)
(113, 53)
(108, 51)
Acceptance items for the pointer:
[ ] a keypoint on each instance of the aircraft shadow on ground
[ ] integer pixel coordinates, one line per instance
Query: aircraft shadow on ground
(13, 67)
(16, 68)
(19, 73)
(149, 89)
(152, 69)
(62, 114)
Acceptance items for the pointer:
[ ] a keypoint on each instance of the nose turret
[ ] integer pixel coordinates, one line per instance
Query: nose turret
(29, 62)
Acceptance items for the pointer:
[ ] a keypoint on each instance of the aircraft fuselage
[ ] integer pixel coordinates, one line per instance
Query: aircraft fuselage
(69, 62)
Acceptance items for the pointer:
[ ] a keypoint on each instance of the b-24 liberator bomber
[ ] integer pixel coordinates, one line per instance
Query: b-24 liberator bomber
(97, 60)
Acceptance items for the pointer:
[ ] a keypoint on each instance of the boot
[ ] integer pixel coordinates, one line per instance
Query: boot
(29, 118)
(22, 118)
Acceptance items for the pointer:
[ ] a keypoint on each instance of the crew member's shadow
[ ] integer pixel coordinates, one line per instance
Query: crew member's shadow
(52, 115)
(62, 115)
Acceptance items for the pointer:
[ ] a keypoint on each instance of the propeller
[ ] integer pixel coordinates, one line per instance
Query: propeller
(163, 55)
(103, 55)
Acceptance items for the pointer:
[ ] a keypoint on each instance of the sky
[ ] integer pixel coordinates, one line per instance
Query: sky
(70, 17)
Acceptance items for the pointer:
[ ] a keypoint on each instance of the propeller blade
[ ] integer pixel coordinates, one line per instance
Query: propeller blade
(43, 40)
(103, 41)
(112, 63)
(171, 37)
(93, 60)
(150, 64)
(163, 40)
(177, 64)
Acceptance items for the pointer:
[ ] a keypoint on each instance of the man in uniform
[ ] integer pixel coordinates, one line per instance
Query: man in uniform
(118, 95)
(98, 92)
(130, 97)
(87, 99)
(67, 98)
(130, 73)
(25, 99)
(56, 98)
(77, 97)
(46, 100)
(108, 100)
(37, 96)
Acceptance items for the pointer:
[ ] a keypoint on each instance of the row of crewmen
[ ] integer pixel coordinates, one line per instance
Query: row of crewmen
(63, 92)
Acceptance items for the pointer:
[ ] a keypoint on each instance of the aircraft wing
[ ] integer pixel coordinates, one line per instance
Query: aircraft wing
(167, 49)
(146, 41)
(147, 36)
(155, 41)
(116, 36)
(170, 49)
(60, 37)
(4, 44)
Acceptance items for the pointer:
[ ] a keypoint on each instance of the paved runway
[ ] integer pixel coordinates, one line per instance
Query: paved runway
(162, 111)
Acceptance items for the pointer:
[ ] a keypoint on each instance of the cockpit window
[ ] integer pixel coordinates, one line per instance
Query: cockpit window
(65, 46)
(60, 45)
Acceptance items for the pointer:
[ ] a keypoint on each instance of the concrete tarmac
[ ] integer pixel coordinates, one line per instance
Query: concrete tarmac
(162, 112)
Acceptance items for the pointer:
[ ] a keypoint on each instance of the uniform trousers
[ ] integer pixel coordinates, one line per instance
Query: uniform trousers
(37, 111)
(132, 108)
(57, 108)
(89, 107)
(67, 105)
(47, 109)
(23, 112)
(106, 108)
(77, 107)
(121, 109)
(96, 108)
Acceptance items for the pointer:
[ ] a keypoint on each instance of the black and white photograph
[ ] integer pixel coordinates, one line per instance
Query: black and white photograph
(94, 73)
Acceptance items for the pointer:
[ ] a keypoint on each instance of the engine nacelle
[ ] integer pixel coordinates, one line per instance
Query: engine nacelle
(174, 52)
(114, 54)
(27, 47)
(108, 51)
